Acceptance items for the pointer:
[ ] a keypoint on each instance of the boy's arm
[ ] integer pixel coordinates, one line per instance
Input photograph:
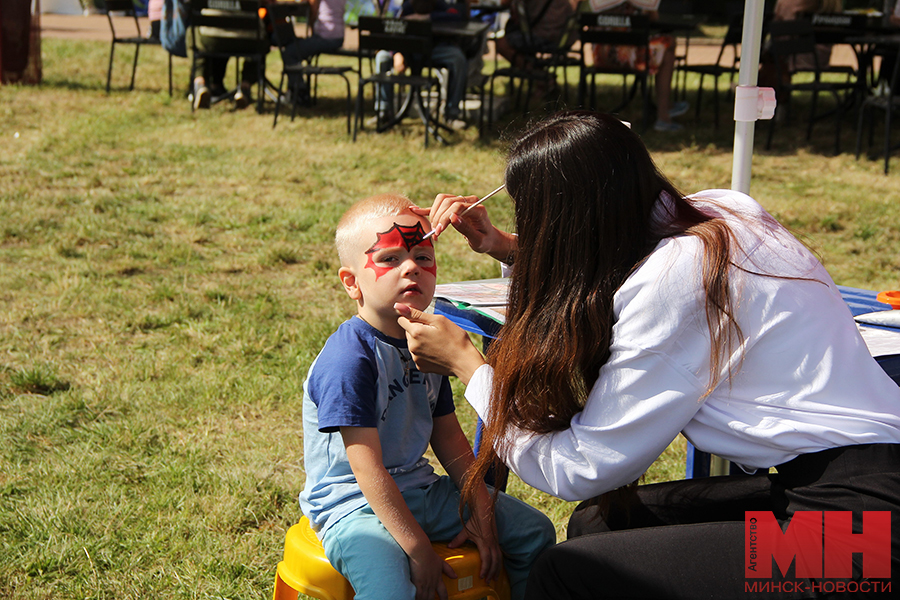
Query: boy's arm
(364, 453)
(452, 449)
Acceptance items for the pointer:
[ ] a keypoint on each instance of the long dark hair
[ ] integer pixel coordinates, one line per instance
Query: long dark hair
(585, 190)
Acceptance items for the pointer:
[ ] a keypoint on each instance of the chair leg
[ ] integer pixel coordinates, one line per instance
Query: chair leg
(359, 106)
(137, 51)
(349, 103)
(278, 102)
(699, 96)
(859, 130)
(112, 51)
(887, 135)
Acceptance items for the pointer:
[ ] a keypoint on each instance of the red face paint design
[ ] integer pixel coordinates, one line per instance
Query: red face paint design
(399, 236)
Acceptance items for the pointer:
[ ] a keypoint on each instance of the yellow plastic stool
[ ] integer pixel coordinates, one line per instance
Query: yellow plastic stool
(305, 569)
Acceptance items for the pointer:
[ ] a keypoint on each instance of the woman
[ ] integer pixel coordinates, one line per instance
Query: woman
(635, 314)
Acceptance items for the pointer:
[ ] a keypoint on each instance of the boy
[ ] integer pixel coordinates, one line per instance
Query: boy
(368, 417)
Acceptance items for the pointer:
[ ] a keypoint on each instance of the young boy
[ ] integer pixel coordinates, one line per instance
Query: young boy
(368, 418)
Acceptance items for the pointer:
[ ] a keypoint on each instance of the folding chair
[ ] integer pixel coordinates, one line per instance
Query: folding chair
(889, 102)
(229, 29)
(788, 39)
(282, 19)
(126, 7)
(616, 30)
(413, 39)
(732, 42)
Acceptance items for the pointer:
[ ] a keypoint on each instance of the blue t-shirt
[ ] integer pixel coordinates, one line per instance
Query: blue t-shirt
(363, 378)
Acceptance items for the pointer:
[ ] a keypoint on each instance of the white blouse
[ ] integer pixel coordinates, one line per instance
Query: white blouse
(802, 377)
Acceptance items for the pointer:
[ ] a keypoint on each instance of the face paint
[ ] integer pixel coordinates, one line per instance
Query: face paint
(398, 236)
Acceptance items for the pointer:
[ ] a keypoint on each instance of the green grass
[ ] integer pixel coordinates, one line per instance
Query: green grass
(166, 279)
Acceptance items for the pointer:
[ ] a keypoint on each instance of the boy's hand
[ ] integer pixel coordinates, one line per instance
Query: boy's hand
(426, 569)
(483, 534)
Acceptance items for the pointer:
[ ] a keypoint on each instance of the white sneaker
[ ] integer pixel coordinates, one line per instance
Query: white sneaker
(201, 96)
(456, 124)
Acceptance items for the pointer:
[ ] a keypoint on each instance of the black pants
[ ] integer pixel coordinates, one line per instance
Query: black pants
(685, 539)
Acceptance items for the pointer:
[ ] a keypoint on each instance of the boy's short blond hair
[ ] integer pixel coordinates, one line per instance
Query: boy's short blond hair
(352, 224)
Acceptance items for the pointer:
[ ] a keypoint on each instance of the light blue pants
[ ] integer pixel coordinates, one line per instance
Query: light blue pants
(363, 551)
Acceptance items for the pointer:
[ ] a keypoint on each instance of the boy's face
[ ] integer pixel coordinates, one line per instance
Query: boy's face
(394, 265)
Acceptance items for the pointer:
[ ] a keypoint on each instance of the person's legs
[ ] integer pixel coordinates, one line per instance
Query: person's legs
(452, 58)
(522, 531)
(384, 95)
(304, 48)
(660, 543)
(362, 550)
(676, 502)
(674, 562)
(664, 84)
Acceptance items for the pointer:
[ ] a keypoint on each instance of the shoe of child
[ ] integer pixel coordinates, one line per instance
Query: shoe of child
(667, 126)
(201, 96)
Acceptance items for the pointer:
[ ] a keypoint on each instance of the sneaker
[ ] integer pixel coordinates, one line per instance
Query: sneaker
(242, 98)
(667, 126)
(456, 124)
(201, 96)
(678, 109)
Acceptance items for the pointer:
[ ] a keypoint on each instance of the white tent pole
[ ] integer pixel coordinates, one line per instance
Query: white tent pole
(743, 130)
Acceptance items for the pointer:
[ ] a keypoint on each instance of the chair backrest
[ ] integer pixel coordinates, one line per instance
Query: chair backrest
(733, 38)
(238, 21)
(121, 6)
(407, 36)
(282, 18)
(787, 39)
(231, 15)
(614, 29)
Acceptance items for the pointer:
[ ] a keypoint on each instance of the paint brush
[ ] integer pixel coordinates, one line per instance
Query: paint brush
(431, 233)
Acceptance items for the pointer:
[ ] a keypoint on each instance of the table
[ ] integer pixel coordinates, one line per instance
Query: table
(439, 29)
(698, 463)
(860, 31)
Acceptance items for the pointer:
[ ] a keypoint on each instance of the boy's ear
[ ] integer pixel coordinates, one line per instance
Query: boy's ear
(350, 283)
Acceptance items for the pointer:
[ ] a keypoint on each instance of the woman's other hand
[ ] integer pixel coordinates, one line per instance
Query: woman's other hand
(437, 345)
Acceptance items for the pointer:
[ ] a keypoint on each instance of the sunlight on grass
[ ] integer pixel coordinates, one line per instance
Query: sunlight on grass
(167, 278)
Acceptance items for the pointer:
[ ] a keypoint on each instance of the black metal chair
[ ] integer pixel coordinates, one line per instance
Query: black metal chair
(282, 18)
(888, 102)
(616, 30)
(787, 41)
(521, 78)
(731, 43)
(413, 39)
(229, 29)
(126, 7)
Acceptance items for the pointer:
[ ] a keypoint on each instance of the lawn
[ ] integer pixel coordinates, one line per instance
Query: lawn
(167, 277)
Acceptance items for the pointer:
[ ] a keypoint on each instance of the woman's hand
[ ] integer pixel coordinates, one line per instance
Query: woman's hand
(425, 570)
(437, 345)
(475, 226)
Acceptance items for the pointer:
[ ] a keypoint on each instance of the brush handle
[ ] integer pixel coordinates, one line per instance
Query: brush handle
(431, 233)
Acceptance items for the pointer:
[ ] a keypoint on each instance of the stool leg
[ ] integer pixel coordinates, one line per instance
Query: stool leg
(283, 591)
